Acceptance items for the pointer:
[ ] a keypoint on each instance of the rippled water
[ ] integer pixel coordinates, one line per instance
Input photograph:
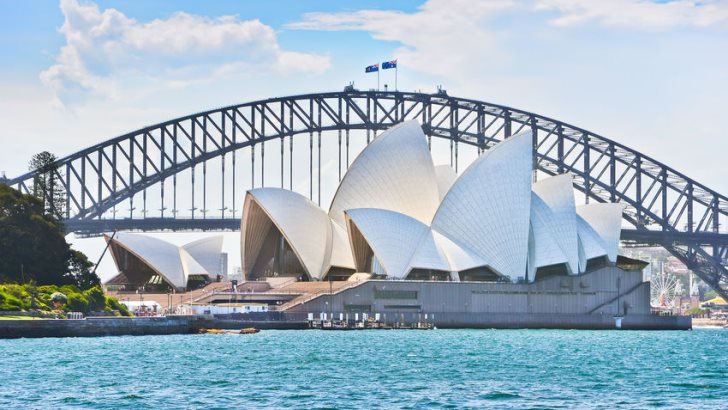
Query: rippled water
(370, 369)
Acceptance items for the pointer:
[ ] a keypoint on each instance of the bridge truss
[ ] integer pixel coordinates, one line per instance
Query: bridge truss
(142, 172)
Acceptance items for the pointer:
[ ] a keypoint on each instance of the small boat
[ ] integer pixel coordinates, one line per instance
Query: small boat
(211, 331)
(246, 331)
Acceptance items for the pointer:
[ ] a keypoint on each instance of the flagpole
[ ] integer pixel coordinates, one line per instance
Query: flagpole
(377, 79)
(395, 77)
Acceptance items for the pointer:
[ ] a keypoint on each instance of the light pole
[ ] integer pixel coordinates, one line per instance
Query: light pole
(331, 298)
(141, 298)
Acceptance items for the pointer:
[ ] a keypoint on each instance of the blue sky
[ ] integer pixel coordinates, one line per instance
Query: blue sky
(644, 73)
(652, 75)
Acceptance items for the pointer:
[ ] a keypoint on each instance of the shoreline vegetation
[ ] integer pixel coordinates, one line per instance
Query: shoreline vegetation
(56, 301)
(41, 275)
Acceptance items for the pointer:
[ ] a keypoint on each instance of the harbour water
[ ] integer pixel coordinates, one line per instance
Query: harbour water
(370, 369)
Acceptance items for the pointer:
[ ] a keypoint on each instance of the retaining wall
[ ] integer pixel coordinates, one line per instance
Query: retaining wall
(115, 326)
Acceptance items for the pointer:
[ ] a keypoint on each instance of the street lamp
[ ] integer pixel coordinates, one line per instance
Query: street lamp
(140, 291)
(331, 297)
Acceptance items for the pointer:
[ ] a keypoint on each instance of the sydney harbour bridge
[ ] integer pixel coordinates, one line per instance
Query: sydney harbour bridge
(190, 173)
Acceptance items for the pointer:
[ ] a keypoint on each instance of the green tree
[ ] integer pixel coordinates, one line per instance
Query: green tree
(96, 299)
(113, 304)
(77, 303)
(33, 245)
(10, 302)
(47, 184)
(80, 270)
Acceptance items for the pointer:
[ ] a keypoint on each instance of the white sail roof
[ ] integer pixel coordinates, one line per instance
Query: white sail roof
(393, 172)
(191, 266)
(392, 236)
(488, 207)
(207, 252)
(457, 256)
(401, 243)
(386, 213)
(161, 256)
(302, 223)
(606, 219)
(543, 248)
(429, 254)
(591, 244)
(559, 215)
(446, 177)
(340, 250)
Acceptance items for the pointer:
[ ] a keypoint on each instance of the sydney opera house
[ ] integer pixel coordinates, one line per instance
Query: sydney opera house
(491, 247)
(396, 215)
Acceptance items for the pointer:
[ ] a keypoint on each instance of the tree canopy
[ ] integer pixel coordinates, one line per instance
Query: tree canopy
(33, 245)
(47, 183)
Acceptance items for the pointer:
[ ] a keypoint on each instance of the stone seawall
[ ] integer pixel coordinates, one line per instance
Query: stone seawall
(112, 326)
(137, 326)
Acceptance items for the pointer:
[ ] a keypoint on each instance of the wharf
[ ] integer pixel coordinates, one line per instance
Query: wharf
(368, 324)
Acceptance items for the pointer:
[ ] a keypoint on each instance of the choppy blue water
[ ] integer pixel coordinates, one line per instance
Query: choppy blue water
(370, 369)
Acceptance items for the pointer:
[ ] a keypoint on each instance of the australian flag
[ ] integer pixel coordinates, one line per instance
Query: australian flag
(389, 64)
(372, 68)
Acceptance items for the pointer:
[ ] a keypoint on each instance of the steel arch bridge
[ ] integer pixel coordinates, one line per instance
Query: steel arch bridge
(664, 207)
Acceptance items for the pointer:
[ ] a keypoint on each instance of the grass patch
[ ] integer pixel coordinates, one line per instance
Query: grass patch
(21, 318)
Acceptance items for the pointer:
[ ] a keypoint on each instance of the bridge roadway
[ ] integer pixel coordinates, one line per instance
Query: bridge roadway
(97, 227)
(144, 170)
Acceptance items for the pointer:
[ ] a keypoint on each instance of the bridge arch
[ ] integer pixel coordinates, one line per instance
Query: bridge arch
(664, 206)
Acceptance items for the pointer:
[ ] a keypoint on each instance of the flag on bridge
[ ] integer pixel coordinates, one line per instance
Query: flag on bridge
(372, 68)
(389, 64)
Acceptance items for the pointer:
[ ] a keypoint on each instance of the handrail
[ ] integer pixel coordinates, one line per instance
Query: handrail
(297, 301)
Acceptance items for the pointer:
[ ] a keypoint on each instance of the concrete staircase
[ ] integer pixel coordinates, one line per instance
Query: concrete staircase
(174, 298)
(312, 290)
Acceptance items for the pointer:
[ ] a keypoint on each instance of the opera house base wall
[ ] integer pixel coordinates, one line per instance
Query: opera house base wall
(467, 320)
(588, 301)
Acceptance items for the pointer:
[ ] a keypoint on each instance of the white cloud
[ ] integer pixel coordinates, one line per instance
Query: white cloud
(633, 90)
(106, 51)
(426, 36)
(638, 14)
